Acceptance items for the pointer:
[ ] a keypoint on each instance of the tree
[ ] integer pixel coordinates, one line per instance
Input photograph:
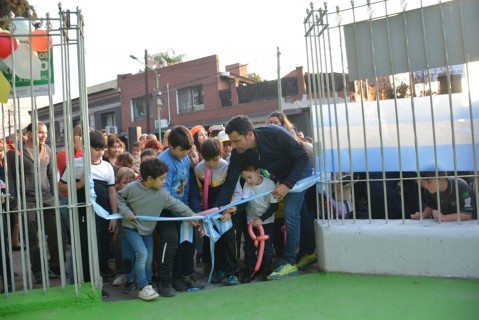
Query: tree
(256, 77)
(402, 91)
(18, 7)
(167, 58)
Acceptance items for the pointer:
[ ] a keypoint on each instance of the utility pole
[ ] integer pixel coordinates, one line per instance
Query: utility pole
(280, 93)
(159, 101)
(147, 96)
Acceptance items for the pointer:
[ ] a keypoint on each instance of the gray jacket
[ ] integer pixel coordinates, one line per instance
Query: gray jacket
(27, 182)
(137, 199)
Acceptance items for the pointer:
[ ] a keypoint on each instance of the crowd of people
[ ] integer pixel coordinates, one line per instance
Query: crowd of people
(192, 172)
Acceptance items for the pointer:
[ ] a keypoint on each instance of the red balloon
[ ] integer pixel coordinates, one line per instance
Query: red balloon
(40, 41)
(6, 44)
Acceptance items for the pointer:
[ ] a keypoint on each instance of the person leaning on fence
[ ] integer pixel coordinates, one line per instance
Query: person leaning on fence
(27, 185)
(147, 197)
(104, 185)
(448, 193)
(274, 149)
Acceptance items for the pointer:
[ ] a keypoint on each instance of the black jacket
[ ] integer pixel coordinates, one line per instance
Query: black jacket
(277, 151)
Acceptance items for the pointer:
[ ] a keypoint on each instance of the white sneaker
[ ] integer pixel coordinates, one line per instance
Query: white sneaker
(120, 280)
(148, 293)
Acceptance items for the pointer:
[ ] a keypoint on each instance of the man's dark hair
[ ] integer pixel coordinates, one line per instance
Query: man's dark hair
(180, 136)
(152, 168)
(30, 126)
(211, 148)
(241, 124)
(97, 140)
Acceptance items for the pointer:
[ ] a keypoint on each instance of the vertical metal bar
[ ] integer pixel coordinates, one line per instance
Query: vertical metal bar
(413, 109)
(471, 116)
(451, 112)
(398, 133)
(314, 109)
(433, 123)
(338, 141)
(378, 108)
(345, 93)
(362, 109)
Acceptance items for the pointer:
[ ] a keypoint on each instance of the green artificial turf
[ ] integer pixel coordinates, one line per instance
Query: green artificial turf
(310, 296)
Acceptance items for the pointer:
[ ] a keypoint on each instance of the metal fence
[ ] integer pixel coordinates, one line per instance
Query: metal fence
(30, 196)
(408, 104)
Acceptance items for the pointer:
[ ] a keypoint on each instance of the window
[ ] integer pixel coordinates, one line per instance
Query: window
(190, 99)
(138, 108)
(108, 119)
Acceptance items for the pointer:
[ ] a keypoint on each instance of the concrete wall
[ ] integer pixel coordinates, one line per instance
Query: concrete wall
(425, 248)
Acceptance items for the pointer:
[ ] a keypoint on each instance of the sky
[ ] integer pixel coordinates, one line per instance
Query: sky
(245, 32)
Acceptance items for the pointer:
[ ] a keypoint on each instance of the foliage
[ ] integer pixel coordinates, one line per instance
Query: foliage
(18, 7)
(255, 77)
(402, 91)
(167, 58)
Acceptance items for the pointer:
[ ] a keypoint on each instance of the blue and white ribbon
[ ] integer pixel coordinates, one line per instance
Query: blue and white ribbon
(212, 224)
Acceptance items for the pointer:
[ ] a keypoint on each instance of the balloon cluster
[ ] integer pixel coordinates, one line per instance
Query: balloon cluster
(22, 32)
(22, 43)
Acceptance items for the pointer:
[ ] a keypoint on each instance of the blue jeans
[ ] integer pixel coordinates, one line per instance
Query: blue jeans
(143, 248)
(293, 203)
(128, 258)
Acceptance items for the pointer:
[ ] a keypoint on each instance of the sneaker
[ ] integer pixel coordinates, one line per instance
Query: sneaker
(218, 277)
(166, 291)
(193, 282)
(179, 284)
(148, 293)
(120, 280)
(283, 271)
(129, 287)
(306, 261)
(232, 280)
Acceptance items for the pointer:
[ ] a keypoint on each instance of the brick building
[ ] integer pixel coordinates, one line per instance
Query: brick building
(192, 92)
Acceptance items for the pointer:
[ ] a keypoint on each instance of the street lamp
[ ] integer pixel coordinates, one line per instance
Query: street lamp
(158, 94)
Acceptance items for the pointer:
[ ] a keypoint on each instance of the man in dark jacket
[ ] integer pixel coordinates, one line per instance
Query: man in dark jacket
(274, 149)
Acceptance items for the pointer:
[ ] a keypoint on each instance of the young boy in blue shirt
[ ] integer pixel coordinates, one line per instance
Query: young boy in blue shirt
(175, 259)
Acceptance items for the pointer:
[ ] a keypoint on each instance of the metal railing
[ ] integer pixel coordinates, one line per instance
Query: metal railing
(407, 105)
(30, 196)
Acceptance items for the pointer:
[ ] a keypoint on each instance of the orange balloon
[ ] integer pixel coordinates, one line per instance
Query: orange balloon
(6, 44)
(40, 41)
